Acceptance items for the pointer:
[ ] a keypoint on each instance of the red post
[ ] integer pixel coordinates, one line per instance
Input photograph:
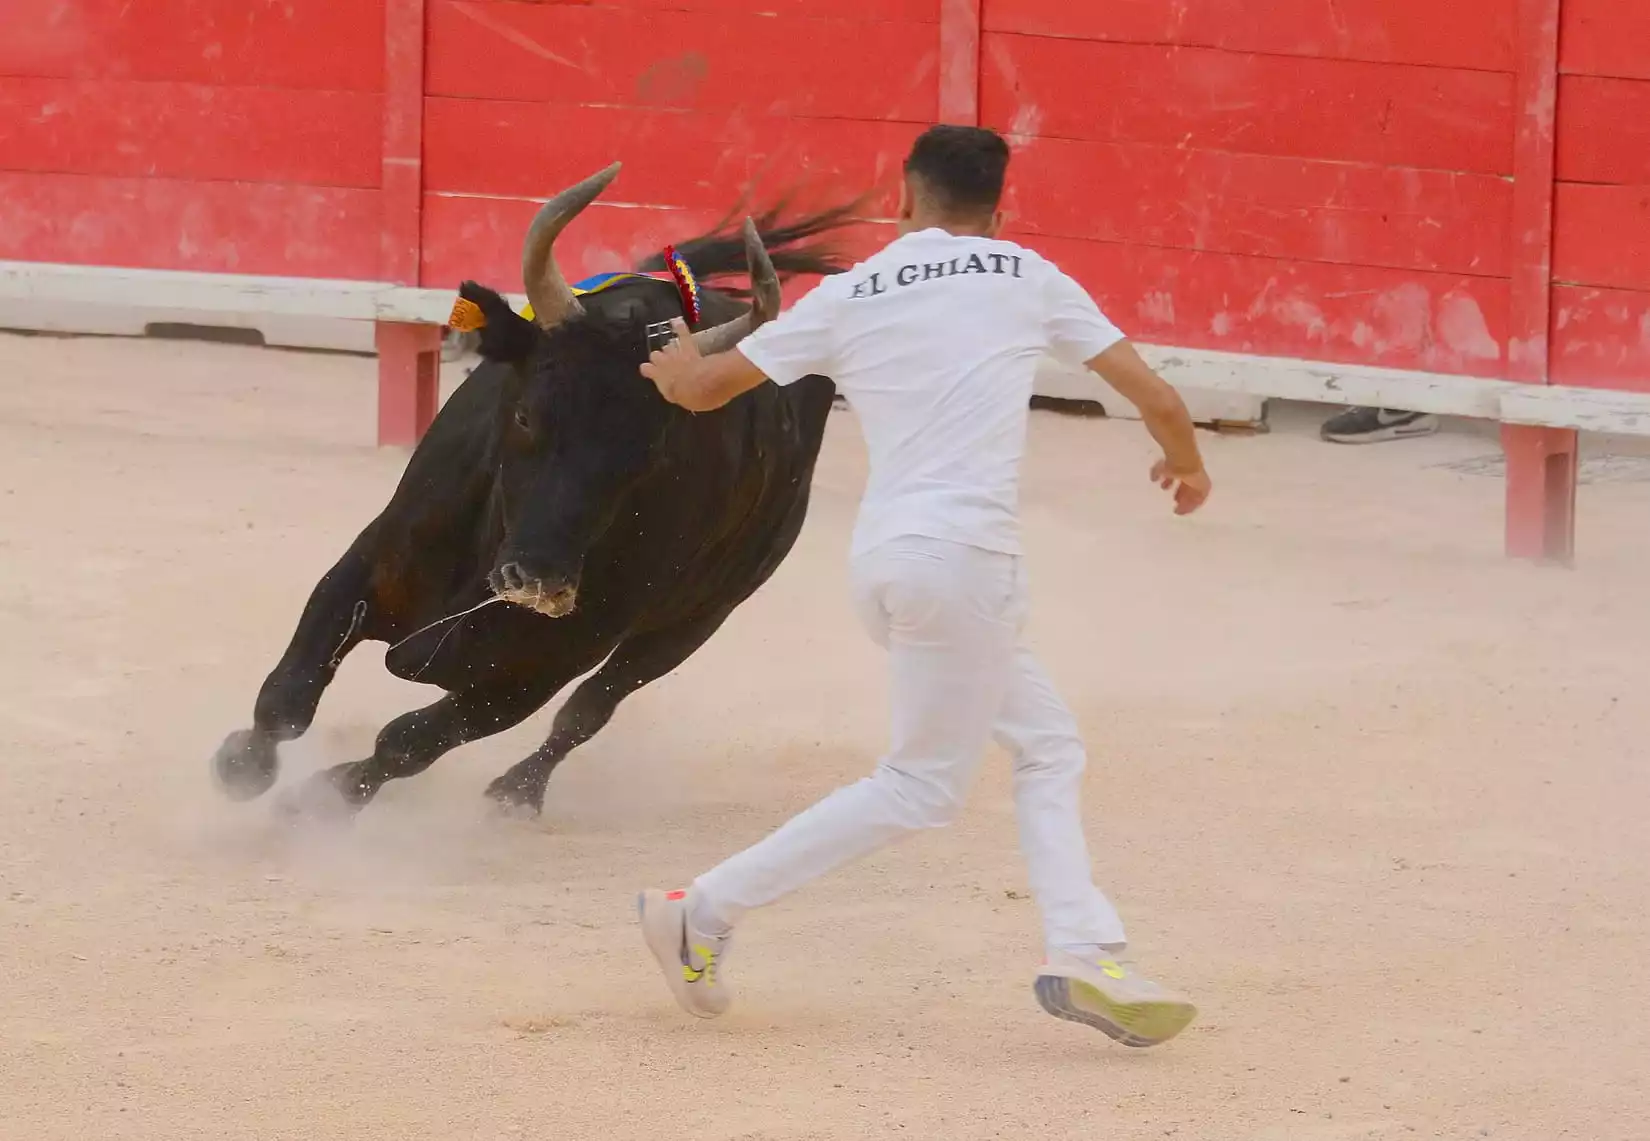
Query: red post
(960, 62)
(1541, 462)
(1541, 492)
(409, 356)
(409, 381)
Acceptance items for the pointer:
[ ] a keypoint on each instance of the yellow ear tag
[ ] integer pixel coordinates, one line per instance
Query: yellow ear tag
(527, 311)
(466, 316)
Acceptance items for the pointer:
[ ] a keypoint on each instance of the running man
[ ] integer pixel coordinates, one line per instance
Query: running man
(934, 341)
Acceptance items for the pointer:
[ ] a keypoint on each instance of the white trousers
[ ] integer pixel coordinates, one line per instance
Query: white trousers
(950, 617)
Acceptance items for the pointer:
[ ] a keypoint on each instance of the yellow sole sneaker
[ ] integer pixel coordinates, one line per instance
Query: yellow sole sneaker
(1139, 1021)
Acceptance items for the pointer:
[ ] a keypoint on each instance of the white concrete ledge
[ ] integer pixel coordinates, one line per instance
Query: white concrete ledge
(323, 298)
(1545, 406)
(1288, 379)
(1587, 409)
(1555, 406)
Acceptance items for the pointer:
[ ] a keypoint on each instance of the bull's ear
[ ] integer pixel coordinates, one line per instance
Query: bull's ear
(505, 334)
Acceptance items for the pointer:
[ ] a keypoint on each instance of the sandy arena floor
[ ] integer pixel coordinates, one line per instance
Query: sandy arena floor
(1375, 797)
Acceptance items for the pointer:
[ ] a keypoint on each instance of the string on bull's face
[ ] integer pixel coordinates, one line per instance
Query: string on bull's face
(467, 316)
(453, 618)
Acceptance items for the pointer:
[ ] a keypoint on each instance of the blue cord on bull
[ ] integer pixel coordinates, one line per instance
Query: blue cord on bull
(466, 318)
(677, 270)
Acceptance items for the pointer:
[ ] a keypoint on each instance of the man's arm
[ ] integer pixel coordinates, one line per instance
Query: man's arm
(699, 383)
(1165, 417)
(1079, 333)
(1161, 407)
(797, 343)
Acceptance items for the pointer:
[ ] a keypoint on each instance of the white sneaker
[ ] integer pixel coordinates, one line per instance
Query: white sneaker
(1108, 995)
(691, 962)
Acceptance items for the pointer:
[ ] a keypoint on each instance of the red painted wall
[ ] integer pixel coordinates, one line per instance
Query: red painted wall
(1302, 178)
(1333, 181)
(233, 135)
(1601, 223)
(697, 97)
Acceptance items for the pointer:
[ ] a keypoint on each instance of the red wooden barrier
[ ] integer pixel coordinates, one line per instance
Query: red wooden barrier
(230, 135)
(409, 356)
(1245, 182)
(1541, 462)
(1601, 236)
(1391, 182)
(698, 97)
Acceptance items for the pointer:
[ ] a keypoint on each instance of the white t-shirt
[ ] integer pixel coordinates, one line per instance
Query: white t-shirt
(935, 342)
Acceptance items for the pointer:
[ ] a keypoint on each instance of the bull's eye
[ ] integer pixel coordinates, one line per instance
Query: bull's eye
(522, 421)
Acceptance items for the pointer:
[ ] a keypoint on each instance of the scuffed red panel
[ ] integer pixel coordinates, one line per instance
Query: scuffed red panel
(1601, 338)
(176, 130)
(1601, 235)
(1458, 33)
(229, 227)
(1299, 209)
(1605, 37)
(670, 158)
(486, 49)
(1193, 97)
(324, 44)
(1394, 318)
(905, 11)
(1603, 129)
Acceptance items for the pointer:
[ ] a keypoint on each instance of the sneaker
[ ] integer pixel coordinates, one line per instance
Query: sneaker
(692, 963)
(1373, 425)
(1107, 995)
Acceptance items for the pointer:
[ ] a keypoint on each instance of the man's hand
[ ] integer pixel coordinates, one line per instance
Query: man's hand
(677, 362)
(699, 383)
(1190, 488)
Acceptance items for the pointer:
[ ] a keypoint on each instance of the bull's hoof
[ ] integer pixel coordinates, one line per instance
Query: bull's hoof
(332, 796)
(245, 765)
(512, 798)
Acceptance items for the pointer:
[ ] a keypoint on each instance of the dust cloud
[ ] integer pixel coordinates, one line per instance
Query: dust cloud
(1372, 795)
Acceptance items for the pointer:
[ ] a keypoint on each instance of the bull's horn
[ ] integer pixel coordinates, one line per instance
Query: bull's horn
(547, 290)
(765, 299)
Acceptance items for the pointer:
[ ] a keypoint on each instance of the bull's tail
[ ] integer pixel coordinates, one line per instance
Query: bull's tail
(788, 237)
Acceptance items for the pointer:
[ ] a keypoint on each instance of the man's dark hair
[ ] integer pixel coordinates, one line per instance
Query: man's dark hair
(960, 169)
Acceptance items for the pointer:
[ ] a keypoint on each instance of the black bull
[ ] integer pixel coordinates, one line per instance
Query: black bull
(622, 530)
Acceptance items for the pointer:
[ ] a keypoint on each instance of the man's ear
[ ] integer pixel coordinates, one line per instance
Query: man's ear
(907, 206)
(505, 334)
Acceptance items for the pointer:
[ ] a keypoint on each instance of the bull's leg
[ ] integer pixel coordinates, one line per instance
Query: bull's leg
(633, 664)
(334, 622)
(415, 741)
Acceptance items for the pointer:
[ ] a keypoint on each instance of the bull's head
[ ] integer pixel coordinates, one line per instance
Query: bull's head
(579, 425)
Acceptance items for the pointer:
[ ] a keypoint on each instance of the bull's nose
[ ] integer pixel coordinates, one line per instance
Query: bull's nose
(514, 577)
(557, 603)
(547, 593)
(518, 578)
